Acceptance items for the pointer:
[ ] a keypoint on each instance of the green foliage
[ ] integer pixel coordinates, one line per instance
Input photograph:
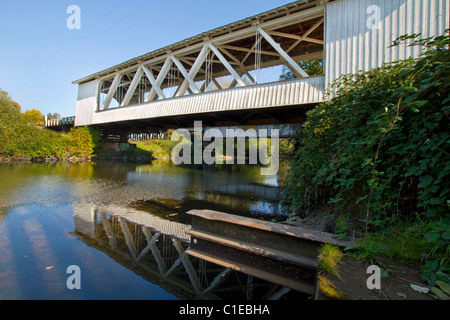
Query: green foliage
(378, 147)
(313, 67)
(34, 143)
(53, 116)
(33, 117)
(330, 256)
(21, 134)
(82, 141)
(160, 149)
(135, 153)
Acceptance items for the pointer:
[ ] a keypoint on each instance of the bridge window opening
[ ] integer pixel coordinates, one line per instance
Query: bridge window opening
(103, 92)
(172, 81)
(119, 95)
(139, 95)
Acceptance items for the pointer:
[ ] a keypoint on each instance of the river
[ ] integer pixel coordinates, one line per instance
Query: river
(123, 226)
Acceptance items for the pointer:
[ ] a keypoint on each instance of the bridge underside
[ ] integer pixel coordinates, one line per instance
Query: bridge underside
(275, 103)
(258, 117)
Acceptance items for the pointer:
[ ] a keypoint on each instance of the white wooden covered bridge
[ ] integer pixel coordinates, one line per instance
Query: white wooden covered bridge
(215, 76)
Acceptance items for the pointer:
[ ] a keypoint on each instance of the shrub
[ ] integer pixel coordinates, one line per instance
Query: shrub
(380, 143)
(82, 141)
(378, 148)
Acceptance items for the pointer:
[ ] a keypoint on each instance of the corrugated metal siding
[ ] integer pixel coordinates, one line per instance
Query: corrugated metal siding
(351, 46)
(295, 92)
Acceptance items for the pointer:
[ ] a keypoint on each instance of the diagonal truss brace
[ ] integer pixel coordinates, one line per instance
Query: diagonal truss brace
(156, 86)
(137, 77)
(227, 65)
(152, 80)
(188, 77)
(296, 69)
(185, 74)
(112, 91)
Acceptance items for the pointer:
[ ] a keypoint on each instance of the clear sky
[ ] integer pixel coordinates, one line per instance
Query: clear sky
(40, 56)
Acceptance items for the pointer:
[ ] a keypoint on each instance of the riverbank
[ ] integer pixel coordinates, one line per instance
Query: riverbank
(399, 279)
(51, 159)
(401, 282)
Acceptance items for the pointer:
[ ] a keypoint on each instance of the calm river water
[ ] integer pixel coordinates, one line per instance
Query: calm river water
(124, 226)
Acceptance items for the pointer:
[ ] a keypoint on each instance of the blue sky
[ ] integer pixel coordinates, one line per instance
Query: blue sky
(40, 57)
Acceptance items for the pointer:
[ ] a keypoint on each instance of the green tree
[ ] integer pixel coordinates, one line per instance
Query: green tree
(10, 111)
(312, 67)
(82, 141)
(33, 117)
(53, 116)
(22, 134)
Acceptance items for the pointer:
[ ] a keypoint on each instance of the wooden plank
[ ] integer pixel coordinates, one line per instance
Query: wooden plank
(283, 229)
(305, 287)
(277, 253)
(256, 249)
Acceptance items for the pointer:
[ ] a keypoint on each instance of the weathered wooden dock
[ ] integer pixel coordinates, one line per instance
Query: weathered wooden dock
(279, 253)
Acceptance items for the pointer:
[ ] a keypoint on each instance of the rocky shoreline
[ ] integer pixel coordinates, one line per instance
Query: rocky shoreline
(52, 159)
(71, 159)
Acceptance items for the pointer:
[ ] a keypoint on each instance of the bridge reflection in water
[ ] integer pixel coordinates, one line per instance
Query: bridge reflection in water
(155, 249)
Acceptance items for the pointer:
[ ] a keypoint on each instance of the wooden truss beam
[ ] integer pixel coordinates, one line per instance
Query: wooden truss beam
(132, 87)
(304, 37)
(227, 65)
(291, 64)
(185, 74)
(192, 72)
(159, 80)
(112, 91)
(305, 15)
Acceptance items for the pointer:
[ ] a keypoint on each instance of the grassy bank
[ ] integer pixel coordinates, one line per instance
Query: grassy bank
(158, 148)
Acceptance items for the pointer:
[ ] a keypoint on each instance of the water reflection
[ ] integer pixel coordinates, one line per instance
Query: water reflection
(155, 249)
(133, 214)
(238, 189)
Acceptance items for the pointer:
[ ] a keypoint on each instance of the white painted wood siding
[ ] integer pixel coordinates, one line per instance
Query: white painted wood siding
(352, 46)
